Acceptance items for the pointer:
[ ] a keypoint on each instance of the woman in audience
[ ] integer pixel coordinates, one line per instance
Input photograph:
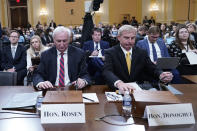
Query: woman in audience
(180, 46)
(35, 50)
(192, 29)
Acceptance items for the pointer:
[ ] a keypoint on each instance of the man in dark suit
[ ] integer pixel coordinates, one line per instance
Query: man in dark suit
(52, 24)
(62, 64)
(14, 57)
(126, 63)
(95, 52)
(156, 48)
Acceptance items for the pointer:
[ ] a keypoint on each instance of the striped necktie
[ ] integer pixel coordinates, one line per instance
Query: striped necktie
(61, 71)
(128, 60)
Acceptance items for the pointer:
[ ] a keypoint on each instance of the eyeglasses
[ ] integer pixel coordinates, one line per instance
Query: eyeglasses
(14, 36)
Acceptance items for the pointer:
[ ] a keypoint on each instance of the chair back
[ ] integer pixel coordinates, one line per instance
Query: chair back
(8, 78)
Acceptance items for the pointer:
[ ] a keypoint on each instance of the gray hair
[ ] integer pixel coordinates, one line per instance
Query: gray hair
(127, 28)
(61, 29)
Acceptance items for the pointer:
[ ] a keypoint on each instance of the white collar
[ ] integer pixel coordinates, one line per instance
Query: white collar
(65, 52)
(125, 52)
(14, 46)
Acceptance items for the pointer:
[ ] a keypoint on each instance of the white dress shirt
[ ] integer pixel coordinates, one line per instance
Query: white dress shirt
(14, 46)
(66, 77)
(99, 48)
(151, 50)
(125, 53)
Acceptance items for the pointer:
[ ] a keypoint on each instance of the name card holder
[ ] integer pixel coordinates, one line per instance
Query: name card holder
(63, 107)
(173, 114)
(145, 97)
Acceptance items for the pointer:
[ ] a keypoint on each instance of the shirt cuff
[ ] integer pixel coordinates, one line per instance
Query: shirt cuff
(37, 86)
(116, 82)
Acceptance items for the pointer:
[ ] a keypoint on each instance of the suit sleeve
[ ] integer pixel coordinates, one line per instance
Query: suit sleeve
(86, 49)
(108, 74)
(40, 72)
(23, 63)
(83, 73)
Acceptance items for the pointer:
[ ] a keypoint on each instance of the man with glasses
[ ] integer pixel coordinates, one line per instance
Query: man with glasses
(14, 57)
(156, 48)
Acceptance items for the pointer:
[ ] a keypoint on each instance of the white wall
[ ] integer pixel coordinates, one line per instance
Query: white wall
(105, 12)
(36, 11)
(50, 10)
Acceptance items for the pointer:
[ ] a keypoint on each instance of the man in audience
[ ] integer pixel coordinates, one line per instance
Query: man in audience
(14, 57)
(62, 64)
(0, 30)
(156, 48)
(126, 63)
(52, 24)
(95, 52)
(141, 33)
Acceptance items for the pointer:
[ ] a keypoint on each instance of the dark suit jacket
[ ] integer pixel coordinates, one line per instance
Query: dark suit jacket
(19, 61)
(54, 24)
(115, 67)
(88, 46)
(47, 69)
(144, 45)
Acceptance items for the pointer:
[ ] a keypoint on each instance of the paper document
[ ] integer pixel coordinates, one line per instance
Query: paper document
(90, 98)
(134, 84)
(22, 100)
(192, 57)
(95, 56)
(113, 96)
(173, 90)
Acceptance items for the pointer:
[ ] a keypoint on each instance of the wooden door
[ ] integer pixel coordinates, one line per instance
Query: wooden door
(18, 17)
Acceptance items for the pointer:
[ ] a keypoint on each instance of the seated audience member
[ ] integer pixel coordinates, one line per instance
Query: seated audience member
(156, 48)
(14, 57)
(0, 30)
(180, 46)
(141, 33)
(62, 64)
(126, 63)
(192, 30)
(35, 50)
(0, 61)
(47, 37)
(95, 49)
(114, 31)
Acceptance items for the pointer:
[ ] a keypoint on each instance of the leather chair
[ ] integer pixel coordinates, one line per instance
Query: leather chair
(8, 78)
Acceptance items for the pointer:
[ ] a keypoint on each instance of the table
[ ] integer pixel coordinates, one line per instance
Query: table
(92, 111)
(192, 78)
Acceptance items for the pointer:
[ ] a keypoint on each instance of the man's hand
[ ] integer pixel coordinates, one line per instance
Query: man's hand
(45, 85)
(31, 68)
(166, 77)
(80, 83)
(124, 87)
(11, 70)
(95, 53)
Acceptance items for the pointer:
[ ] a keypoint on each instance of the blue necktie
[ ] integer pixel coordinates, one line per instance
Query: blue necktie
(154, 52)
(96, 48)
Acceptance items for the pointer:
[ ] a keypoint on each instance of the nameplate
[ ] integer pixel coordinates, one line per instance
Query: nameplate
(62, 113)
(173, 114)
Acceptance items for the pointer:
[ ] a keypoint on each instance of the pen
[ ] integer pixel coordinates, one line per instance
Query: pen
(88, 99)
